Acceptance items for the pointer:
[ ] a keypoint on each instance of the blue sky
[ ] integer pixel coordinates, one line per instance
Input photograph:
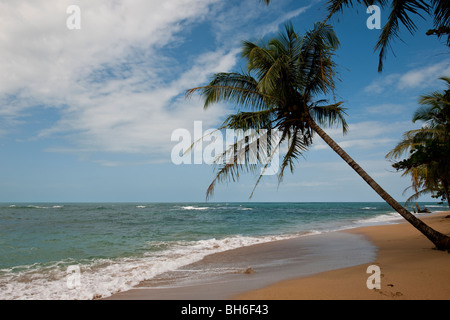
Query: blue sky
(87, 114)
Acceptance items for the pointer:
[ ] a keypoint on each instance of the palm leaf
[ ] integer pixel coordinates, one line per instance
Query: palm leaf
(277, 93)
(330, 115)
(401, 11)
(233, 87)
(245, 156)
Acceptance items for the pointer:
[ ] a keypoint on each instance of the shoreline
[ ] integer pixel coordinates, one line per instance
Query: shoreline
(287, 278)
(223, 275)
(411, 269)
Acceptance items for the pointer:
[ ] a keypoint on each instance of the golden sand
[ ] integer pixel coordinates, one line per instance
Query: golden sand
(410, 270)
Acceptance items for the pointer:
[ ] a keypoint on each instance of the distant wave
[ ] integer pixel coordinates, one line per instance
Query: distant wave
(369, 208)
(381, 219)
(215, 208)
(194, 208)
(31, 206)
(141, 207)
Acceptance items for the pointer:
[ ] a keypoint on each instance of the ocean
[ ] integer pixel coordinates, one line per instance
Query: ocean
(90, 250)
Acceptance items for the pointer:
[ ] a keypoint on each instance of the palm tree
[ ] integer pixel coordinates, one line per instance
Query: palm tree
(279, 92)
(428, 146)
(401, 13)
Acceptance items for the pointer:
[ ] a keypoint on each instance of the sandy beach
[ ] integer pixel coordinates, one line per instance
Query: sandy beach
(305, 268)
(410, 269)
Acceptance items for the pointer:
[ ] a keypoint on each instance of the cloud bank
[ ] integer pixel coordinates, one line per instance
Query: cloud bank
(117, 84)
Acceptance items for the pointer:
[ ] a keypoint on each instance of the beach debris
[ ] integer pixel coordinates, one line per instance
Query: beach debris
(249, 271)
(447, 216)
(97, 296)
(390, 285)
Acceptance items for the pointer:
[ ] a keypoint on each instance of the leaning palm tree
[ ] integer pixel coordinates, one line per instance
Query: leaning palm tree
(280, 92)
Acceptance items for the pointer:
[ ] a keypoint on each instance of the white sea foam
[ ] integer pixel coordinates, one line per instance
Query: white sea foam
(387, 218)
(369, 208)
(104, 277)
(141, 207)
(37, 207)
(194, 208)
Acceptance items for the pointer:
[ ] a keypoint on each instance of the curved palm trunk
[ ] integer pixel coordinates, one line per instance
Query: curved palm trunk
(441, 241)
(447, 195)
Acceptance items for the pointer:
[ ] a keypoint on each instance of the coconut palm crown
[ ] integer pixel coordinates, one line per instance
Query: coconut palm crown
(278, 92)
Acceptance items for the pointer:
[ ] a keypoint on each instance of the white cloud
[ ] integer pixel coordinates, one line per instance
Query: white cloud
(116, 83)
(423, 77)
(110, 80)
(232, 22)
(366, 135)
(385, 109)
(274, 26)
(42, 56)
(379, 85)
(142, 122)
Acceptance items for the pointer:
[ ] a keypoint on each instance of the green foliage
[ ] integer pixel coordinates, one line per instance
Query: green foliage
(429, 154)
(429, 147)
(278, 92)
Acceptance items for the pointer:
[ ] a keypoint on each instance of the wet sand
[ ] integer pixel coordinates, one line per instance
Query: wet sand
(410, 270)
(325, 266)
(226, 274)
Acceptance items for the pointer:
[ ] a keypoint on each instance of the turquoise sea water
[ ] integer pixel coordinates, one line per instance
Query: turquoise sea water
(117, 245)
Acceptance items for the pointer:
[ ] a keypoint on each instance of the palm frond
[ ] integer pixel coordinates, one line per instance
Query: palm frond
(268, 160)
(401, 11)
(316, 60)
(249, 120)
(296, 147)
(245, 155)
(412, 139)
(259, 58)
(418, 194)
(238, 88)
(337, 6)
(273, 64)
(277, 92)
(441, 15)
(330, 115)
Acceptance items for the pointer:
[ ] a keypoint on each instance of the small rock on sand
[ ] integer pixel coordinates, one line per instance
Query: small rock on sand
(249, 271)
